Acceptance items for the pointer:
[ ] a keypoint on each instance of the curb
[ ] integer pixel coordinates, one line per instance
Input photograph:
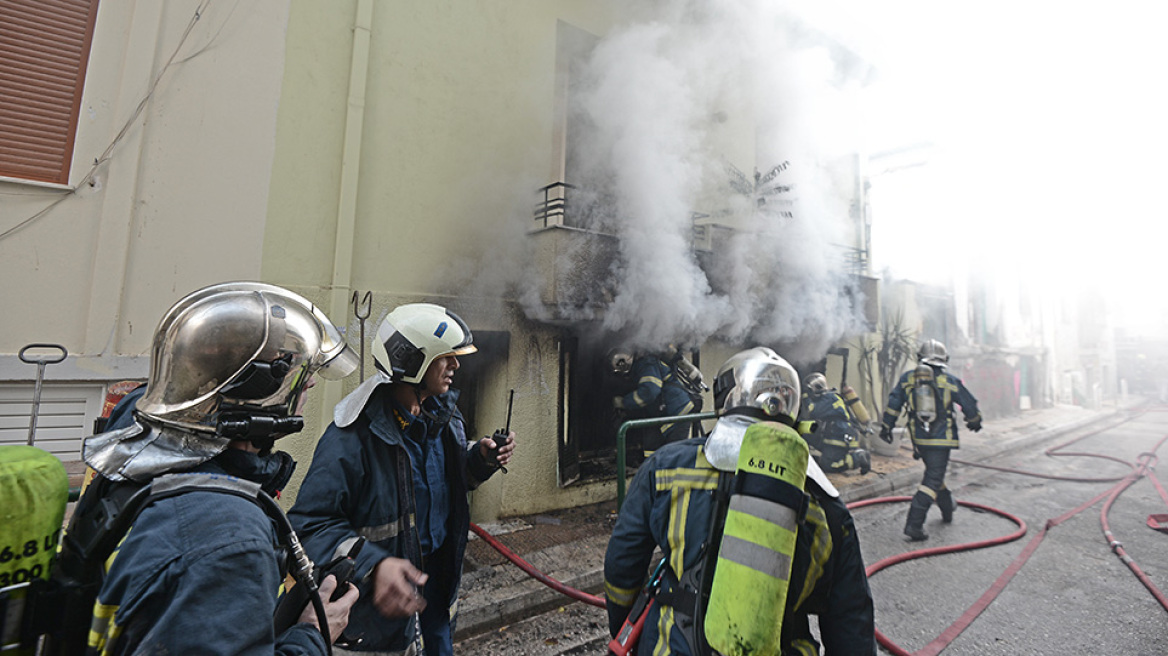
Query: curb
(523, 596)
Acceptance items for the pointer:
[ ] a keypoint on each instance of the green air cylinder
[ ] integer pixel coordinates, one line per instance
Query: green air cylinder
(749, 591)
(34, 488)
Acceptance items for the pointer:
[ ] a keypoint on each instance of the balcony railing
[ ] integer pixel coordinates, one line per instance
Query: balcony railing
(552, 210)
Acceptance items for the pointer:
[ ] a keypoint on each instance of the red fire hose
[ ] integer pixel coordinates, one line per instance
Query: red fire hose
(535, 573)
(1141, 470)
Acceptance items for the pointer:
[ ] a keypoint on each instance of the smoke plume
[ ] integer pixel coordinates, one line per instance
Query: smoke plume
(722, 113)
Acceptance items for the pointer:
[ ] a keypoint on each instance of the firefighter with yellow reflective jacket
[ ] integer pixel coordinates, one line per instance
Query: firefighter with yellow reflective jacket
(930, 392)
(837, 430)
(754, 537)
(659, 392)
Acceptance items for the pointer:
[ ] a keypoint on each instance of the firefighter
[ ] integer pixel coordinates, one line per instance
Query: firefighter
(659, 393)
(930, 392)
(749, 528)
(395, 467)
(200, 571)
(836, 428)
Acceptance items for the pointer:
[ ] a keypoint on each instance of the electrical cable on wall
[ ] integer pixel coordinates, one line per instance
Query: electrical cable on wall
(105, 156)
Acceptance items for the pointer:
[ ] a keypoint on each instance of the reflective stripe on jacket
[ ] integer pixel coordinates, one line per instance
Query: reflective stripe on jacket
(833, 418)
(669, 505)
(943, 431)
(197, 573)
(360, 483)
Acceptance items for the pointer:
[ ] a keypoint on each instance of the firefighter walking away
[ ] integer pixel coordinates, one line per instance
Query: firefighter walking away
(754, 537)
(930, 392)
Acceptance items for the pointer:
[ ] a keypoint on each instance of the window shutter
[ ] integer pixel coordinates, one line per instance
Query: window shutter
(44, 48)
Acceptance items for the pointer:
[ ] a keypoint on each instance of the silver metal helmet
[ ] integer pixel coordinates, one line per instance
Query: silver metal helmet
(414, 335)
(932, 352)
(620, 361)
(759, 383)
(244, 348)
(817, 383)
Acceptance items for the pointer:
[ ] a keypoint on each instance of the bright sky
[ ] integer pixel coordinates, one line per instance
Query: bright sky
(1049, 122)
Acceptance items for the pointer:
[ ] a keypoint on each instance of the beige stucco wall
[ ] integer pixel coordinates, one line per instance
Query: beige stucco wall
(178, 202)
(454, 110)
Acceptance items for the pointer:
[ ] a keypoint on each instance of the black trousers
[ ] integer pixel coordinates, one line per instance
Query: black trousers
(932, 488)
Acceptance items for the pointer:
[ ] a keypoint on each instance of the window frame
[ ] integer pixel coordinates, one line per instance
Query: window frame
(47, 45)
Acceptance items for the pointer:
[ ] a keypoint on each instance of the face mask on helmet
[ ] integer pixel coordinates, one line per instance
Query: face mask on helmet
(816, 384)
(757, 383)
(412, 336)
(620, 361)
(233, 359)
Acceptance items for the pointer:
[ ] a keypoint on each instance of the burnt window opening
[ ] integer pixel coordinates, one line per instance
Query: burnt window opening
(588, 423)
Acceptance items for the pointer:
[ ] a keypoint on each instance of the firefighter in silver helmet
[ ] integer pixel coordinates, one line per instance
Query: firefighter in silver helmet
(230, 366)
(929, 392)
(713, 503)
(659, 392)
(837, 430)
(395, 467)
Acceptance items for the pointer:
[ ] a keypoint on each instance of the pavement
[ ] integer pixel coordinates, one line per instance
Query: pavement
(568, 545)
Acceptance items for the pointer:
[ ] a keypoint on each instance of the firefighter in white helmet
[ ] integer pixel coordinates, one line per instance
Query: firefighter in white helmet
(754, 537)
(930, 392)
(395, 468)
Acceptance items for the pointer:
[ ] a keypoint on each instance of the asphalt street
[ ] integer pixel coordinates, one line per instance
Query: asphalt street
(1073, 595)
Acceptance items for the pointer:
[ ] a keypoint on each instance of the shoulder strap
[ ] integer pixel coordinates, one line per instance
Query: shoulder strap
(104, 515)
(690, 595)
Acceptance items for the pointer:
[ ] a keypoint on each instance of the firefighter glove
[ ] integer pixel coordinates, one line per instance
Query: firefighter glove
(974, 424)
(618, 403)
(886, 434)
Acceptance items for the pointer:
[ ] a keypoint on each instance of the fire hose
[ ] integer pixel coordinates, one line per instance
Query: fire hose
(535, 573)
(1140, 470)
(1143, 469)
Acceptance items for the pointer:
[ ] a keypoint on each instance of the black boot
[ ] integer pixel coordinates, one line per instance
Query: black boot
(914, 530)
(861, 459)
(947, 505)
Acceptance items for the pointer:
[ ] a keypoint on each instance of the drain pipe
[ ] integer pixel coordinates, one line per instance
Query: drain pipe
(338, 295)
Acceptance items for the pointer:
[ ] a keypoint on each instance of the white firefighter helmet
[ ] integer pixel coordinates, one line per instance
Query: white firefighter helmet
(817, 383)
(414, 335)
(620, 361)
(759, 383)
(932, 352)
(245, 348)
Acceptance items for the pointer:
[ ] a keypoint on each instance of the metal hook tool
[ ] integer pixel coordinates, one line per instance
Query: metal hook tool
(366, 301)
(41, 362)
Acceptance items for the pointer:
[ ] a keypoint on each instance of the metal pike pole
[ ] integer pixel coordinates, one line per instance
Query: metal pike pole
(367, 302)
(41, 362)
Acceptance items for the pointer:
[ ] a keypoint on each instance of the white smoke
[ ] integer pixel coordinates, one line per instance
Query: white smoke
(679, 99)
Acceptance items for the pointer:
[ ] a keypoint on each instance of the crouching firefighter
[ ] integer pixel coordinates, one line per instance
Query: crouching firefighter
(837, 431)
(930, 393)
(754, 537)
(177, 545)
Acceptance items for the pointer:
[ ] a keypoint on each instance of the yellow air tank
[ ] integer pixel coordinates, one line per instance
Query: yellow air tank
(749, 590)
